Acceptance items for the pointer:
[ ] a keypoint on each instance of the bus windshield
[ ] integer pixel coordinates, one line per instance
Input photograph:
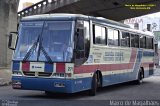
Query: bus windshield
(44, 41)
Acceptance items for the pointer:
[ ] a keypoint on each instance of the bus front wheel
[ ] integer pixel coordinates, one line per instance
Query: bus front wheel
(94, 85)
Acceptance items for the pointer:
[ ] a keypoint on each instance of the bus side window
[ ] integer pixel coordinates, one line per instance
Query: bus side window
(125, 39)
(134, 40)
(80, 43)
(110, 36)
(142, 41)
(87, 38)
(113, 37)
(116, 38)
(99, 35)
(149, 43)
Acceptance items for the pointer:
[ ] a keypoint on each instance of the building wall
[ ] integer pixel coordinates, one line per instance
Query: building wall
(27, 4)
(143, 21)
(8, 23)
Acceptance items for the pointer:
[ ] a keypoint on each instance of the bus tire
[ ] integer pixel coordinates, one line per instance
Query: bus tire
(140, 77)
(94, 85)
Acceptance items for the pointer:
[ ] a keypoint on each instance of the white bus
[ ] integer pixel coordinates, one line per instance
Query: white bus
(71, 52)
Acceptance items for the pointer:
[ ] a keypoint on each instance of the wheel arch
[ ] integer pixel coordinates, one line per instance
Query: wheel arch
(99, 73)
(142, 69)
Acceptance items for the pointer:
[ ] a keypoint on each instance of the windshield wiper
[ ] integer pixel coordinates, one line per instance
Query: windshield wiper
(34, 46)
(43, 51)
(29, 53)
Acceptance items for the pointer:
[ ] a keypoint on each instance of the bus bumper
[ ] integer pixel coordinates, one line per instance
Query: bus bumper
(43, 84)
(51, 84)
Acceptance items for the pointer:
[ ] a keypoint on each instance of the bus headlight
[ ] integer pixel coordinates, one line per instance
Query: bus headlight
(17, 73)
(16, 84)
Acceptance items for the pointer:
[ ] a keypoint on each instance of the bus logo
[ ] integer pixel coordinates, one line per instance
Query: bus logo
(36, 67)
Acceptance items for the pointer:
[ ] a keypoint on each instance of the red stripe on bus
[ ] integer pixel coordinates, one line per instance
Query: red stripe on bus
(26, 66)
(60, 67)
(105, 67)
(102, 67)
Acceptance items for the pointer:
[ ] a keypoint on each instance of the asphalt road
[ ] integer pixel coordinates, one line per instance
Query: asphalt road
(149, 90)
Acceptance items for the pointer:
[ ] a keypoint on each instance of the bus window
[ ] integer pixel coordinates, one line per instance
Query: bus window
(87, 38)
(125, 39)
(134, 40)
(99, 34)
(149, 43)
(110, 37)
(116, 38)
(80, 43)
(113, 37)
(142, 42)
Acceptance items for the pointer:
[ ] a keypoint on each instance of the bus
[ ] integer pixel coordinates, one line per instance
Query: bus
(68, 53)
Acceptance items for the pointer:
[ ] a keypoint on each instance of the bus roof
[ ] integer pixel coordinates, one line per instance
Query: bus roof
(57, 16)
(67, 17)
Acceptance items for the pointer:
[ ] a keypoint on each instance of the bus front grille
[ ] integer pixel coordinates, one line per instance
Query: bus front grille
(41, 74)
(29, 73)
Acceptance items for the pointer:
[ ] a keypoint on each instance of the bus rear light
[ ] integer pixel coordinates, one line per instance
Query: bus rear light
(60, 67)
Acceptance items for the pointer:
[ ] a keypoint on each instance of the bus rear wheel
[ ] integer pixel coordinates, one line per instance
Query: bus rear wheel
(94, 85)
(140, 77)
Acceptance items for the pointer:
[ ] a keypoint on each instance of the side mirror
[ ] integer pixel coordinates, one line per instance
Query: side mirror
(12, 40)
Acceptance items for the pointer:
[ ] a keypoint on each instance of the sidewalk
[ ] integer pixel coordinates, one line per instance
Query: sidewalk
(5, 76)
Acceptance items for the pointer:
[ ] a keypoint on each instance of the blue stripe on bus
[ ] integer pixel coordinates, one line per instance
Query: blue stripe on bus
(147, 53)
(137, 64)
(123, 77)
(49, 68)
(71, 85)
(16, 66)
(139, 56)
(117, 78)
(48, 84)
